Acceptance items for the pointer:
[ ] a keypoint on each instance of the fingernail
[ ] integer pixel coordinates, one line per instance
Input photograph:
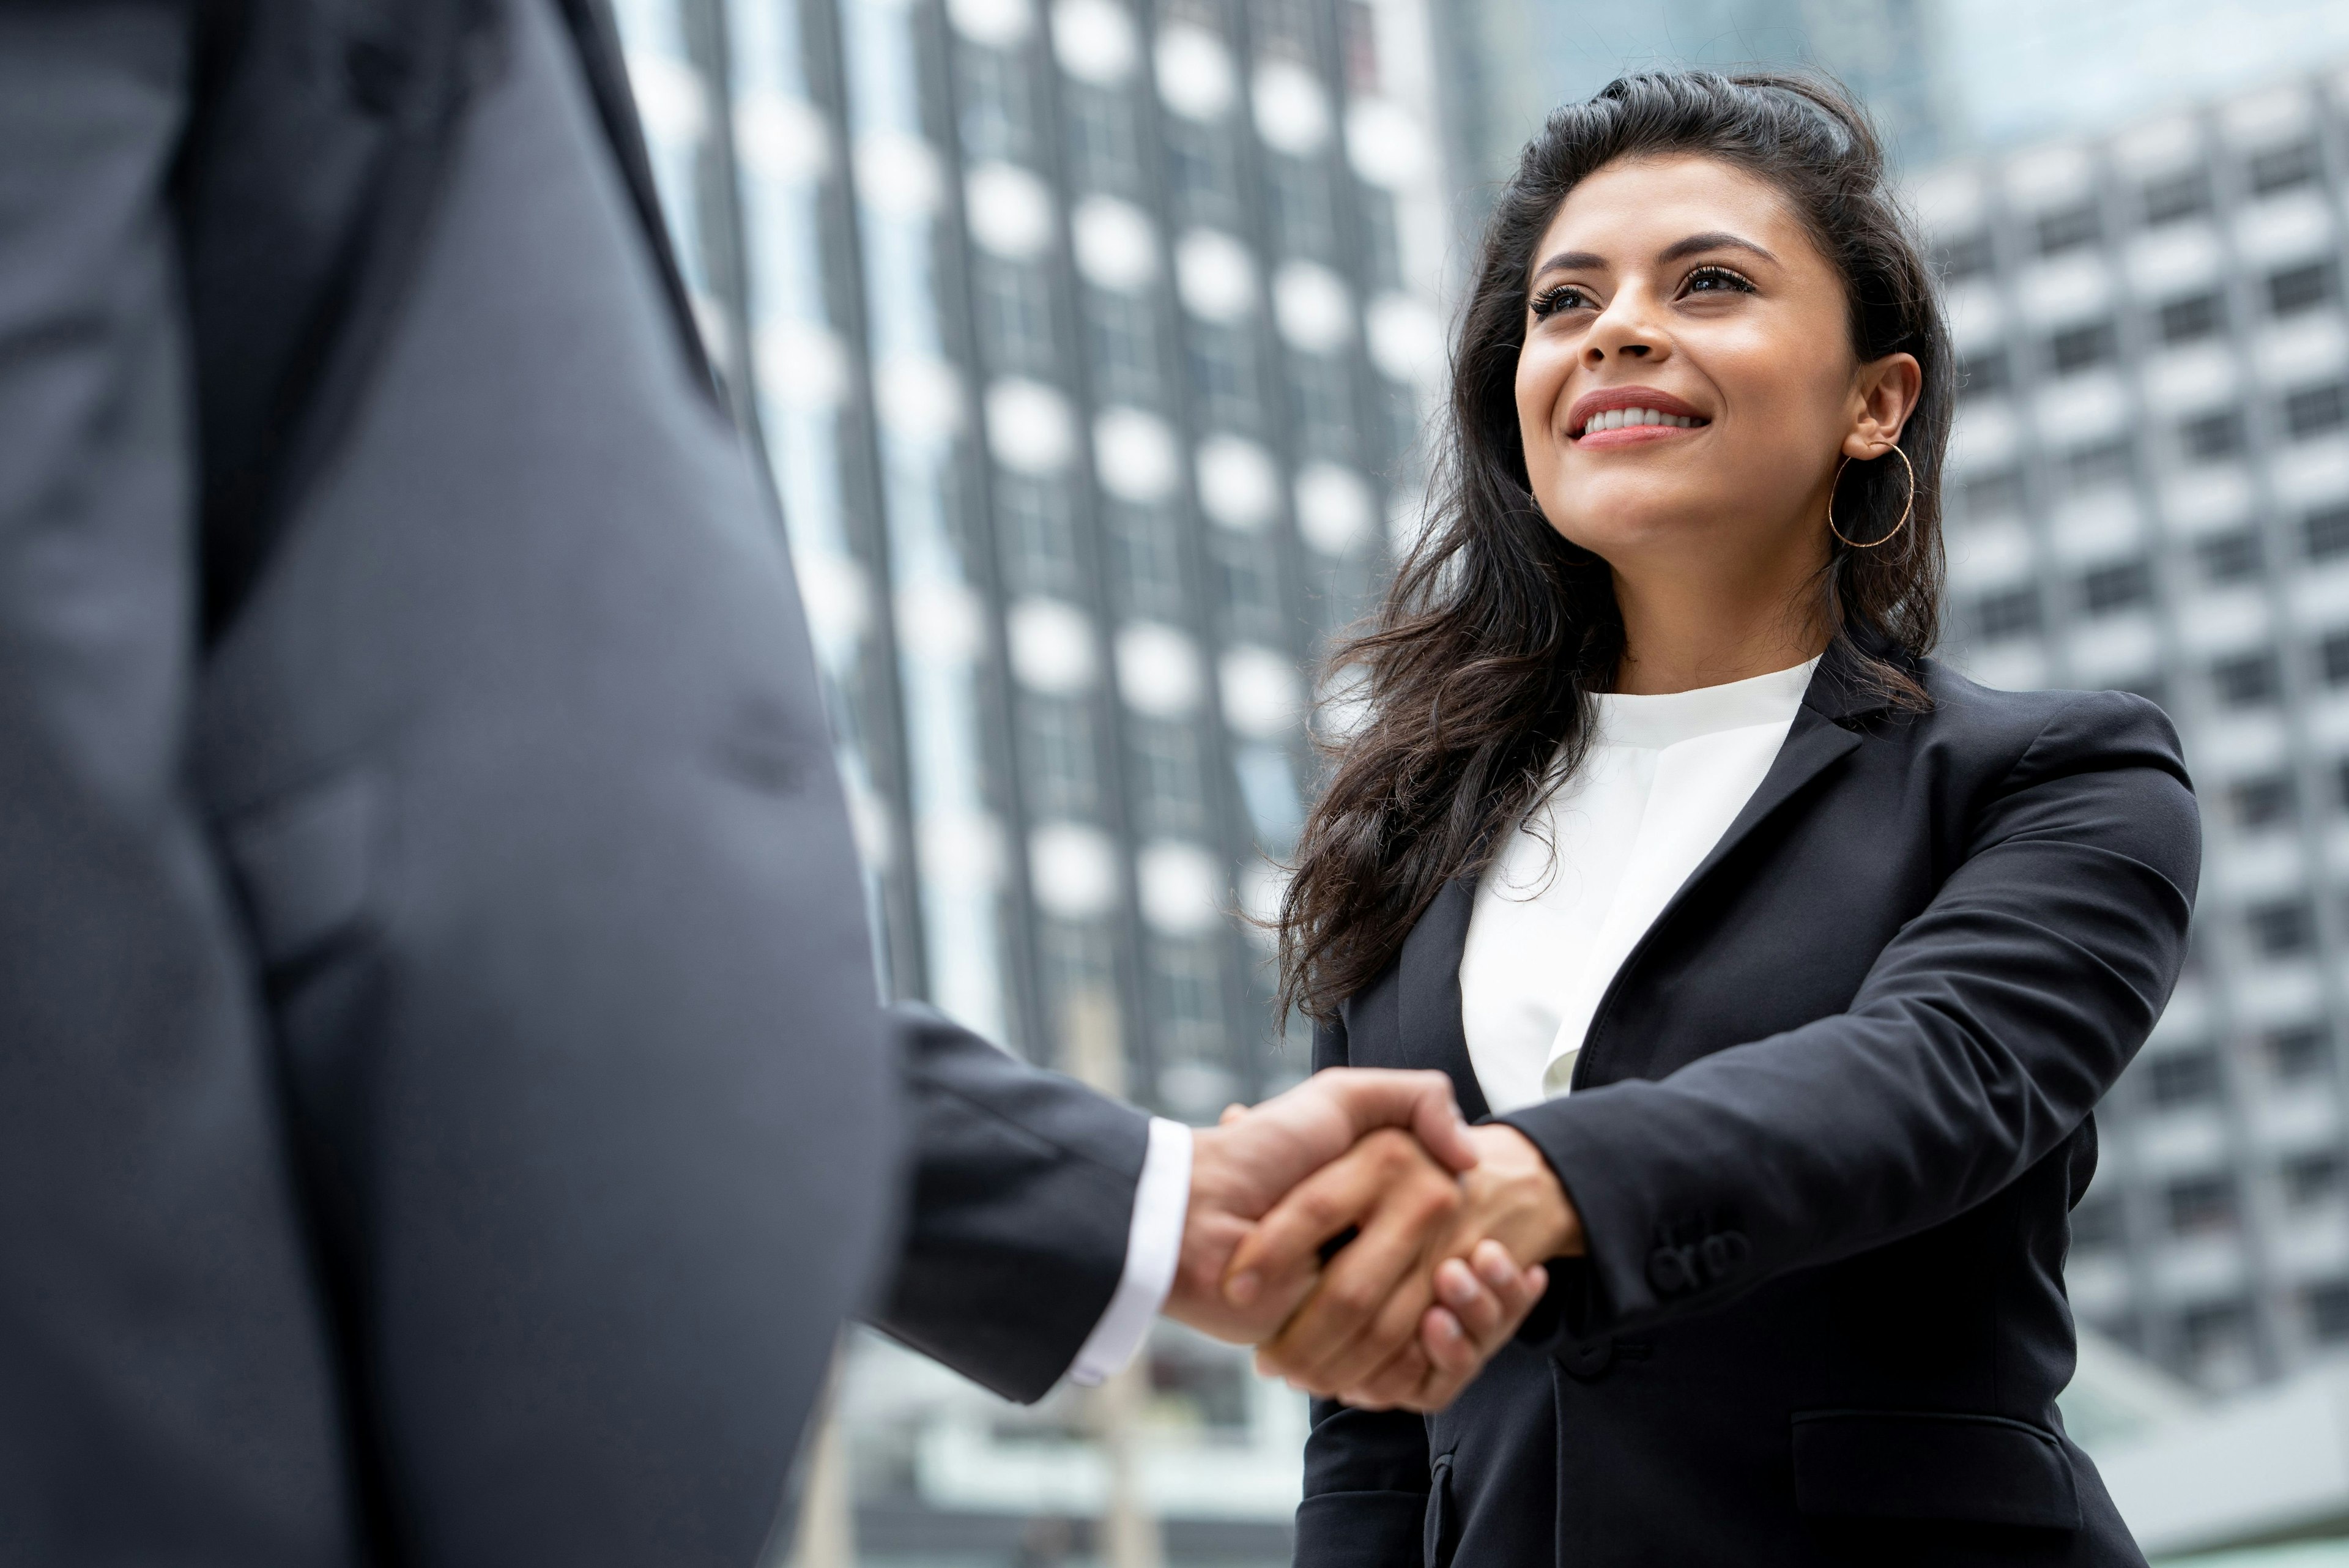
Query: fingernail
(1241, 1288)
(1454, 1290)
(1449, 1326)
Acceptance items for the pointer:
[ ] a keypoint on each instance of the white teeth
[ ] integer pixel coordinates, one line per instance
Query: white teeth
(1615, 418)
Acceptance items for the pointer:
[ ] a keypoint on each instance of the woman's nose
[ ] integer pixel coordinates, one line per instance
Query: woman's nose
(1620, 331)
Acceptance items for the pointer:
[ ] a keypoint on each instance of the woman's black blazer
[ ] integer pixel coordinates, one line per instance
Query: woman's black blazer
(1826, 1132)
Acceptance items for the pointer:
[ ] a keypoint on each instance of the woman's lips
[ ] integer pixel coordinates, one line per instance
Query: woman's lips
(1629, 416)
(1634, 435)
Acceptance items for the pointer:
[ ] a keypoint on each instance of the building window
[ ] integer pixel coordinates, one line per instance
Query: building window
(2265, 801)
(1039, 537)
(2328, 1312)
(1966, 256)
(1979, 375)
(2313, 410)
(2068, 228)
(2248, 679)
(1015, 315)
(1990, 495)
(1200, 173)
(2284, 928)
(2282, 168)
(2213, 437)
(2010, 612)
(2098, 463)
(2195, 316)
(997, 111)
(2098, 1223)
(1187, 1009)
(1144, 550)
(1122, 332)
(1246, 578)
(1223, 376)
(2109, 589)
(1166, 769)
(1297, 192)
(1057, 750)
(2341, 780)
(2229, 558)
(2333, 659)
(2298, 1054)
(2201, 1205)
(2312, 1178)
(2078, 347)
(1321, 394)
(2326, 532)
(2216, 1334)
(1103, 154)
(2177, 197)
(2298, 288)
(2178, 1078)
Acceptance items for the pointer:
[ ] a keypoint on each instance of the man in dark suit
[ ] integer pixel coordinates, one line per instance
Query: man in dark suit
(443, 1112)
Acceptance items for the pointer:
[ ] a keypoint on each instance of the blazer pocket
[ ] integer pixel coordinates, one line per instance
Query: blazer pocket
(1915, 1464)
(305, 866)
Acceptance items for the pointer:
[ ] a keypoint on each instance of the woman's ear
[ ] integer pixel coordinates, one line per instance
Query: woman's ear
(1884, 395)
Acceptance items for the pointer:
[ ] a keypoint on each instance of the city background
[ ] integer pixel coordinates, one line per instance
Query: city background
(1091, 344)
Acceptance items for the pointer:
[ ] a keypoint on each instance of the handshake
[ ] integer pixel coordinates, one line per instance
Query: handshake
(1376, 1248)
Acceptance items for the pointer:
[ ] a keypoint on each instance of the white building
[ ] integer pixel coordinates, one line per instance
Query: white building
(2150, 489)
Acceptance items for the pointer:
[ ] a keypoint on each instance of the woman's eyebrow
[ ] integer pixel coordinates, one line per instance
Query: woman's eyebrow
(1713, 240)
(1572, 261)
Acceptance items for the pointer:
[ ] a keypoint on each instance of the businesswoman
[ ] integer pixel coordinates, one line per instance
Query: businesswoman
(1791, 964)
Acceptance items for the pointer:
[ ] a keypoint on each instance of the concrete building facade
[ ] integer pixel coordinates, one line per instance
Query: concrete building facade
(1087, 343)
(2150, 489)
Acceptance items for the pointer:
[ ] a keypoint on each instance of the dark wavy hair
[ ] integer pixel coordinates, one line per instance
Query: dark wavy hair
(1478, 670)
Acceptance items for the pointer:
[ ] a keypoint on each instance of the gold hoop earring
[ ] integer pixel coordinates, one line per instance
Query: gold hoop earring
(1905, 511)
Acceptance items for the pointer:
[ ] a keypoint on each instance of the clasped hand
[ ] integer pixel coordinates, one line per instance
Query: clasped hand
(1439, 1228)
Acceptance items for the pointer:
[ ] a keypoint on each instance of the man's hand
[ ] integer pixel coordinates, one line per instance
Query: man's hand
(1242, 1168)
(1368, 1333)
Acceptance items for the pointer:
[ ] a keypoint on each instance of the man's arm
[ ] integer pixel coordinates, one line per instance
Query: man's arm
(1048, 1223)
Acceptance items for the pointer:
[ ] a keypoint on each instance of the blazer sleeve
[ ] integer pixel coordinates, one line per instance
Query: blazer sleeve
(1982, 1037)
(1021, 1196)
(1366, 1471)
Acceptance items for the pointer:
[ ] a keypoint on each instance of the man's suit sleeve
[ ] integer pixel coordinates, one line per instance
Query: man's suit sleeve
(1021, 1205)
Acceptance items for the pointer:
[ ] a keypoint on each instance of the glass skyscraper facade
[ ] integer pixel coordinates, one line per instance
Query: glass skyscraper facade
(1087, 343)
(2150, 489)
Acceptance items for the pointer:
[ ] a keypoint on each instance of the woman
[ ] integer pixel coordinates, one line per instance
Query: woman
(1791, 964)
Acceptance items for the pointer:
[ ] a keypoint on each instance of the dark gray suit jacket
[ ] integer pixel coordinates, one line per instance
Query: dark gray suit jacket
(1825, 1131)
(444, 1113)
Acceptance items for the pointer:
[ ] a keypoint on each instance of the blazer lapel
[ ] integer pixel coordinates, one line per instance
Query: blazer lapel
(1826, 729)
(1427, 982)
(1427, 994)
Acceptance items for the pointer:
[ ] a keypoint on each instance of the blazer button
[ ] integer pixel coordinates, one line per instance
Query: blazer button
(1726, 1254)
(1672, 1270)
(1587, 1359)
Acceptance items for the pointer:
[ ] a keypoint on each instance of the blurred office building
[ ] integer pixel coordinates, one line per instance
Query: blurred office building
(2150, 489)
(1088, 342)
(1505, 63)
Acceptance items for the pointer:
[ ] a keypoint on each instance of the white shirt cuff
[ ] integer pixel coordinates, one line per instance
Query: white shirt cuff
(1154, 1246)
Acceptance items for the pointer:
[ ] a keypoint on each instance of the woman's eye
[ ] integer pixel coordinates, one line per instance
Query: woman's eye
(1565, 296)
(1716, 280)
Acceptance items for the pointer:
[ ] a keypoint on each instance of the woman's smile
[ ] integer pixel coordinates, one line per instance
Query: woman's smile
(1629, 416)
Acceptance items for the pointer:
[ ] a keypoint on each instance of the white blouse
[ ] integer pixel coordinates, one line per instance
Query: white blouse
(1663, 779)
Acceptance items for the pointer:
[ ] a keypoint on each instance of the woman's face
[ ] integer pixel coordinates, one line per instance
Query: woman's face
(1679, 298)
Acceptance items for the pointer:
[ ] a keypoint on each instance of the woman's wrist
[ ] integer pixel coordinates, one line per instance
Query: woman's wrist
(1514, 1197)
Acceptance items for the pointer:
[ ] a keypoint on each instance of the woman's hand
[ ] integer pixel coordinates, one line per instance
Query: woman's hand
(1376, 1330)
